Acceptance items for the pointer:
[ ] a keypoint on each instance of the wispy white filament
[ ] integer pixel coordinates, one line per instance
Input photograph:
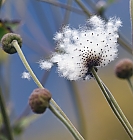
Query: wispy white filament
(26, 75)
(94, 44)
(45, 64)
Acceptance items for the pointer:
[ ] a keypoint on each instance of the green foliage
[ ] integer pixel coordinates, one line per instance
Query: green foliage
(2, 137)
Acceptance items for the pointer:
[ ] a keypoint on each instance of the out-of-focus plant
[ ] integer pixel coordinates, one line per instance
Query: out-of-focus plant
(99, 8)
(124, 70)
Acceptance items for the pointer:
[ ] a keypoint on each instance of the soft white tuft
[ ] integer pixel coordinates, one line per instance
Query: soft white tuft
(26, 75)
(45, 64)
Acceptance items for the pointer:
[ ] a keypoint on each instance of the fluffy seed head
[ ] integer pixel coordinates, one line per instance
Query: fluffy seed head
(124, 69)
(39, 100)
(93, 45)
(6, 42)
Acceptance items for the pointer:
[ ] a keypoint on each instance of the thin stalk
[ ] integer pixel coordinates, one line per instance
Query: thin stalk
(117, 107)
(125, 44)
(79, 108)
(56, 107)
(64, 6)
(131, 17)
(5, 117)
(0, 3)
(120, 113)
(83, 7)
(114, 106)
(130, 84)
(67, 13)
(64, 122)
(72, 86)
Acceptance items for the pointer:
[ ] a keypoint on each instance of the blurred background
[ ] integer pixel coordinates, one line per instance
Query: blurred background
(37, 21)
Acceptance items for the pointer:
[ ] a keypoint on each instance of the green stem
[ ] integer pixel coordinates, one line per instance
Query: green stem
(5, 118)
(79, 108)
(82, 6)
(131, 16)
(114, 105)
(130, 84)
(56, 107)
(0, 3)
(119, 112)
(64, 122)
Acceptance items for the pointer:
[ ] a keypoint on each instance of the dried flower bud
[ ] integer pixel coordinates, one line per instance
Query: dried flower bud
(6, 42)
(39, 100)
(124, 69)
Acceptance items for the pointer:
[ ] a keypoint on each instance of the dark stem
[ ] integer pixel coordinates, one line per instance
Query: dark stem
(5, 117)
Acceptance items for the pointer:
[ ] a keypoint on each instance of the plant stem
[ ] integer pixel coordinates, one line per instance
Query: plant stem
(131, 16)
(130, 84)
(64, 6)
(64, 122)
(78, 108)
(114, 105)
(83, 7)
(5, 117)
(52, 102)
(119, 112)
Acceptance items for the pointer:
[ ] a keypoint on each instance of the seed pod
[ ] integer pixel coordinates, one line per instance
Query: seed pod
(124, 69)
(39, 100)
(6, 42)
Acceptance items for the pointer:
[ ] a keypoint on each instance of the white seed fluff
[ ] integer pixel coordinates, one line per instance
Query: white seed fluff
(45, 64)
(26, 75)
(93, 45)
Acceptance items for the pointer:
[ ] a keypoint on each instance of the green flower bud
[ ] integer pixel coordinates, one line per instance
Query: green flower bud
(6, 42)
(39, 100)
(124, 69)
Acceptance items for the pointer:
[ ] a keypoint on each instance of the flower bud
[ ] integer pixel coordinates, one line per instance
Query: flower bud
(6, 42)
(39, 100)
(124, 69)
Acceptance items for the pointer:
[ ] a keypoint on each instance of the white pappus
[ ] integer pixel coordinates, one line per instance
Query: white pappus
(92, 45)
